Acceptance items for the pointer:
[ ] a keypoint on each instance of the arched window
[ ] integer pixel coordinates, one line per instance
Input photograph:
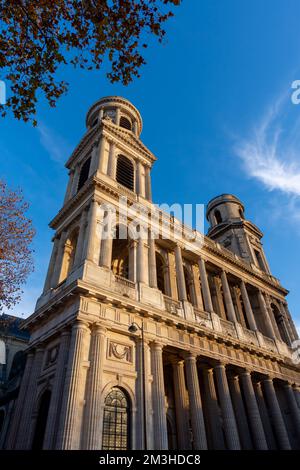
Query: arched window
(218, 216)
(160, 273)
(115, 434)
(124, 122)
(125, 172)
(41, 422)
(84, 173)
(120, 255)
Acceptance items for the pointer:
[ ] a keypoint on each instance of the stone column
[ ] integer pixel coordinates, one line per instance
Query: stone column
(297, 395)
(210, 398)
(25, 428)
(80, 242)
(291, 323)
(158, 393)
(140, 179)
(75, 181)
(181, 406)
(265, 416)
(196, 410)
(21, 400)
(56, 392)
(228, 299)
(264, 311)
(142, 386)
(101, 155)
(142, 267)
(197, 287)
(51, 267)
(205, 286)
(107, 241)
(276, 416)
(69, 187)
(91, 231)
(132, 260)
(255, 422)
(272, 317)
(94, 160)
(248, 308)
(230, 428)
(69, 428)
(92, 418)
(148, 184)
(180, 274)
(152, 261)
(239, 409)
(59, 259)
(112, 160)
(295, 411)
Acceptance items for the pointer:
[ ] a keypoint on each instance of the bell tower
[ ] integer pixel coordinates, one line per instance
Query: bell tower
(228, 226)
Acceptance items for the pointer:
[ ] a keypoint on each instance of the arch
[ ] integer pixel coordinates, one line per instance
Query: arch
(218, 216)
(279, 318)
(41, 421)
(84, 173)
(69, 254)
(121, 253)
(125, 122)
(125, 172)
(116, 420)
(160, 273)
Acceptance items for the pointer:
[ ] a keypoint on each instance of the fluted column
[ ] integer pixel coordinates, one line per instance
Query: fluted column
(265, 313)
(25, 428)
(56, 392)
(158, 393)
(101, 164)
(142, 266)
(111, 160)
(196, 409)
(239, 409)
(59, 260)
(205, 286)
(69, 187)
(92, 418)
(215, 435)
(181, 406)
(15, 423)
(73, 394)
(264, 416)
(140, 179)
(180, 274)
(228, 299)
(275, 412)
(152, 261)
(91, 231)
(248, 308)
(255, 422)
(295, 411)
(230, 428)
(94, 160)
(148, 184)
(51, 267)
(80, 242)
(143, 401)
(107, 238)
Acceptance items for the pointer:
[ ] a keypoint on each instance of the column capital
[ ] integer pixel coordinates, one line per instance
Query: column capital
(80, 324)
(98, 328)
(157, 346)
(191, 356)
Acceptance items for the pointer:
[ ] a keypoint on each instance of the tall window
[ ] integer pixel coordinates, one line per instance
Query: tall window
(125, 172)
(84, 173)
(124, 122)
(41, 422)
(160, 273)
(115, 435)
(188, 284)
(218, 216)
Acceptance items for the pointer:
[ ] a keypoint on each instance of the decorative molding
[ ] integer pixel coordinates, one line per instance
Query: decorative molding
(119, 351)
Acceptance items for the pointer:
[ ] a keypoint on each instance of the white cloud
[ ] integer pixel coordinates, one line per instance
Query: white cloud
(57, 148)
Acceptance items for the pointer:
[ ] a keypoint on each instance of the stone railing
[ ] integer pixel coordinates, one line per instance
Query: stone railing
(124, 281)
(172, 306)
(201, 314)
(228, 328)
(250, 336)
(270, 344)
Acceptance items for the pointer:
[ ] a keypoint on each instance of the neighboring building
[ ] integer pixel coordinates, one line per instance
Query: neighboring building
(216, 356)
(13, 342)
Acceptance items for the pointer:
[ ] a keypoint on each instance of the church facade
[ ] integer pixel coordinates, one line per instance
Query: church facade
(151, 340)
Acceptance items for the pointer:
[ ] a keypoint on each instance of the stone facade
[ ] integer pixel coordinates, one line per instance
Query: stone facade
(213, 366)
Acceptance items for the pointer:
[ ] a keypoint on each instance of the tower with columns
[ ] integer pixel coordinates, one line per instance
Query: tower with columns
(213, 369)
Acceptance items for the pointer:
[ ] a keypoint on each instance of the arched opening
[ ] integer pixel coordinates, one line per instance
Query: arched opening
(120, 254)
(2, 417)
(41, 422)
(124, 122)
(116, 421)
(84, 173)
(160, 273)
(125, 172)
(280, 324)
(69, 255)
(188, 284)
(218, 216)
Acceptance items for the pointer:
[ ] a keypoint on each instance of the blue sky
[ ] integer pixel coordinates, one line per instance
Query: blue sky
(215, 100)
